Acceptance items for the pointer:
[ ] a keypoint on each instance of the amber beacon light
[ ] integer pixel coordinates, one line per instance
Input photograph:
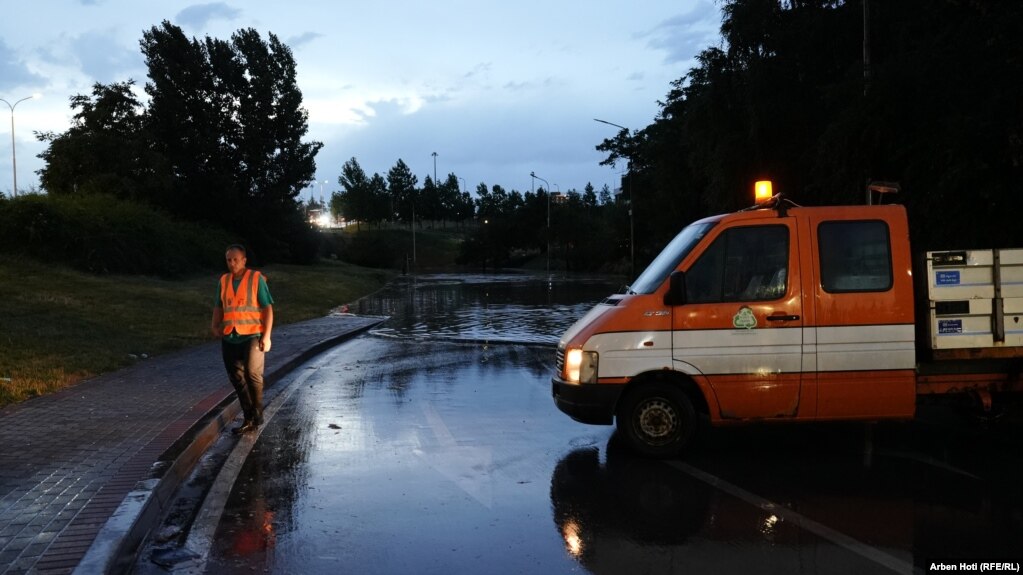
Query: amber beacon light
(763, 191)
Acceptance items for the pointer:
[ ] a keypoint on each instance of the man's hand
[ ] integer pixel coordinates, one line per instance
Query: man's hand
(264, 343)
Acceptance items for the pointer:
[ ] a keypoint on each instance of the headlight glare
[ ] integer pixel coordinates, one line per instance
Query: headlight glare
(581, 366)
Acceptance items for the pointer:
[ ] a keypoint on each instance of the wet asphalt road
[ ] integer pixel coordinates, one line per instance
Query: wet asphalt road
(432, 446)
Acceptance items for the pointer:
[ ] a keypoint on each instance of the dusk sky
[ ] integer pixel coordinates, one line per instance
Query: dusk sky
(496, 89)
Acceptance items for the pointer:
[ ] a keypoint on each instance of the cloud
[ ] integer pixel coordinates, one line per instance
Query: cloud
(302, 39)
(474, 140)
(518, 86)
(15, 73)
(683, 37)
(481, 69)
(198, 15)
(104, 60)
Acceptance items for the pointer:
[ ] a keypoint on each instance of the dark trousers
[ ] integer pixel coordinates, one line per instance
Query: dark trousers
(244, 363)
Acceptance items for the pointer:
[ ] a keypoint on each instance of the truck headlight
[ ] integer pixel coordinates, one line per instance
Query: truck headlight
(581, 366)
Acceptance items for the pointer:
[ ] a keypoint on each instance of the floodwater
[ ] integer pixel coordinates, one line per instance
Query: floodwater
(431, 445)
(484, 309)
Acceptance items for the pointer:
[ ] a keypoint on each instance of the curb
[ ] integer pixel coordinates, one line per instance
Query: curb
(115, 546)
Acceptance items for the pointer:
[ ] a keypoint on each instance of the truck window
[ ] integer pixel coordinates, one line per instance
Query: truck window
(669, 258)
(855, 256)
(743, 264)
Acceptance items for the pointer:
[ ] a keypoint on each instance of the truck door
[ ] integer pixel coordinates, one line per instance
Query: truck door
(863, 330)
(741, 325)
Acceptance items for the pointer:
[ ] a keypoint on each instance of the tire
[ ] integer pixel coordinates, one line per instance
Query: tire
(657, 419)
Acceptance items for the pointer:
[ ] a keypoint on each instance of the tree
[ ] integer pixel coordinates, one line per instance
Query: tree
(450, 198)
(401, 185)
(380, 201)
(589, 196)
(274, 163)
(465, 209)
(188, 121)
(227, 118)
(105, 150)
(428, 206)
(356, 199)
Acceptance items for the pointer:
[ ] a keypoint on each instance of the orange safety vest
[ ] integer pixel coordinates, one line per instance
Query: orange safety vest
(241, 307)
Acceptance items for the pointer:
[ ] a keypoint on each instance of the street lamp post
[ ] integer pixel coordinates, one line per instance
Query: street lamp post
(14, 158)
(434, 168)
(632, 227)
(413, 235)
(536, 177)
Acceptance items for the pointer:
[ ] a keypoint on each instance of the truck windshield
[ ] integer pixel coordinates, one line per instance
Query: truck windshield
(669, 258)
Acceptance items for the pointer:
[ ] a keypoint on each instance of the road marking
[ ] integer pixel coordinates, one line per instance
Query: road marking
(927, 460)
(468, 467)
(204, 527)
(823, 531)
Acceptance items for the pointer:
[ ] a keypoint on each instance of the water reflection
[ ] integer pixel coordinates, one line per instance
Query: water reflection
(506, 308)
(625, 510)
(792, 508)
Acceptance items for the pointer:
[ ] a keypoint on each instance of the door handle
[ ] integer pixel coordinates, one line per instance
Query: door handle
(782, 317)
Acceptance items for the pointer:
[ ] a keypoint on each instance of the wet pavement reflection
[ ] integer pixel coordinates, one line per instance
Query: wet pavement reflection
(431, 445)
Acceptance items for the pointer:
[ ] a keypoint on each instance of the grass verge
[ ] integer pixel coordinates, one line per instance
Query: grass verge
(58, 325)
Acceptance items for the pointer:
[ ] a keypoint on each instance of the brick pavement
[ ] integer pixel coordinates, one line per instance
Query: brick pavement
(68, 460)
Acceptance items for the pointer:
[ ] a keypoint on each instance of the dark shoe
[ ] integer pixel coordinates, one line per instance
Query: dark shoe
(258, 420)
(245, 427)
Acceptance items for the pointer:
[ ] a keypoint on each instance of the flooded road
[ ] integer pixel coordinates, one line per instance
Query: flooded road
(431, 445)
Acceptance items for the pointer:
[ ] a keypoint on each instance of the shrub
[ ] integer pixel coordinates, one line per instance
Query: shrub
(373, 250)
(102, 234)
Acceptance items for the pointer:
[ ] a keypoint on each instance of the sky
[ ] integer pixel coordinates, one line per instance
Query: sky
(497, 90)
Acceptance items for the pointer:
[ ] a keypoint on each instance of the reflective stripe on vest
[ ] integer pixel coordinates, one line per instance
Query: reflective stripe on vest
(241, 307)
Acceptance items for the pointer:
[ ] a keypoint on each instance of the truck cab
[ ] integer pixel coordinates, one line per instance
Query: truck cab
(775, 313)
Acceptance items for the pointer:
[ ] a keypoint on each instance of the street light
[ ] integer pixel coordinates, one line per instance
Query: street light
(434, 168)
(632, 228)
(14, 158)
(536, 177)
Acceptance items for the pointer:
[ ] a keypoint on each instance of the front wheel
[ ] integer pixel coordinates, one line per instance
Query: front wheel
(657, 419)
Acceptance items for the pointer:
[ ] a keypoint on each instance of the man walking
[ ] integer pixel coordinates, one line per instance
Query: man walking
(243, 318)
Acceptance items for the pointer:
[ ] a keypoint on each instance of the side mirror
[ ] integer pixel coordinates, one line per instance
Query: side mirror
(676, 294)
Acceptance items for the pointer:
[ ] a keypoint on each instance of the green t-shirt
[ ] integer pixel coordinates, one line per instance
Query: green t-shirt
(262, 296)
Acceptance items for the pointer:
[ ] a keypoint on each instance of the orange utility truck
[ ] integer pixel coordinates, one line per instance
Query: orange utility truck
(787, 313)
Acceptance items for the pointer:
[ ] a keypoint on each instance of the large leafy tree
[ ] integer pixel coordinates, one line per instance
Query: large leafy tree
(274, 163)
(105, 150)
(785, 96)
(228, 117)
(190, 121)
(220, 141)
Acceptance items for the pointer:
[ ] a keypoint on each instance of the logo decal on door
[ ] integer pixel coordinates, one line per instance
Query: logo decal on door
(744, 319)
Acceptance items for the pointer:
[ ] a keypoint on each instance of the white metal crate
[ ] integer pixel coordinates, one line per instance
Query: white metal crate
(975, 298)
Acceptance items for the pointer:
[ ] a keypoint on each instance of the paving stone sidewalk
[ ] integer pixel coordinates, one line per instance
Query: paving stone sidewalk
(67, 460)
